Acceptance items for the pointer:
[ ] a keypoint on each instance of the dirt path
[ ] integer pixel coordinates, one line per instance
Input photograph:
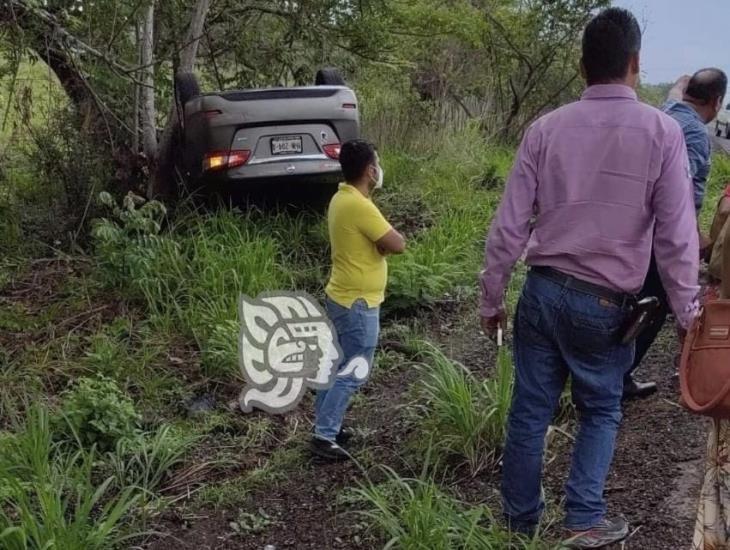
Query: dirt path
(656, 472)
(654, 480)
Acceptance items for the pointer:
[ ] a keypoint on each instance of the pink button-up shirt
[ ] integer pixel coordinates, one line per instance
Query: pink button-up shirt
(601, 177)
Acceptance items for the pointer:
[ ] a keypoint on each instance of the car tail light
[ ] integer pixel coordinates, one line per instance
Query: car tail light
(212, 113)
(238, 158)
(222, 160)
(349, 106)
(332, 150)
(215, 161)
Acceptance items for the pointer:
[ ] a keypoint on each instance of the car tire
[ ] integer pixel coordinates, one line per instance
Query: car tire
(186, 87)
(727, 130)
(718, 132)
(328, 77)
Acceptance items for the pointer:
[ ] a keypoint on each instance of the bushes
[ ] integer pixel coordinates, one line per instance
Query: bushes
(442, 259)
(189, 278)
(96, 412)
(146, 462)
(51, 171)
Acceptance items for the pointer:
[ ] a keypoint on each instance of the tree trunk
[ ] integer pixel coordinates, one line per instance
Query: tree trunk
(136, 108)
(149, 128)
(46, 39)
(162, 184)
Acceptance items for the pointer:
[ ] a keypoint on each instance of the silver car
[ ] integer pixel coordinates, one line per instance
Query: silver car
(236, 139)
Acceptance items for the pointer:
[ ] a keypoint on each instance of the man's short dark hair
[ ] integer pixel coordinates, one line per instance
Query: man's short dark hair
(706, 85)
(609, 41)
(355, 156)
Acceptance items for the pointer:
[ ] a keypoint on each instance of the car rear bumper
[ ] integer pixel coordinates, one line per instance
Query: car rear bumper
(313, 167)
(271, 175)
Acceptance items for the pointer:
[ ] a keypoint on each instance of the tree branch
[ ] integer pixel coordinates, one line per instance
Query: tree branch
(505, 35)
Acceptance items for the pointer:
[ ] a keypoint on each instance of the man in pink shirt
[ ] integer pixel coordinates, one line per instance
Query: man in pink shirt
(597, 180)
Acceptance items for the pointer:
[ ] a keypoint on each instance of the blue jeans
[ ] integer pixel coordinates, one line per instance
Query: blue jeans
(559, 332)
(357, 331)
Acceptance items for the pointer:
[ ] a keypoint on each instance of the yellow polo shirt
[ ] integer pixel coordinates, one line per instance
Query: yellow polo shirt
(358, 269)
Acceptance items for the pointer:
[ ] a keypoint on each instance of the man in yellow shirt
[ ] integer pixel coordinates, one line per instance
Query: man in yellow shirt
(360, 238)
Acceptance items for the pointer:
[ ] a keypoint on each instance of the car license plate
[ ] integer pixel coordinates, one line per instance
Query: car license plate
(286, 145)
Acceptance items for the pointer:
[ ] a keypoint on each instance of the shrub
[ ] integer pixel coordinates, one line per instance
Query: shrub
(97, 412)
(50, 173)
(443, 258)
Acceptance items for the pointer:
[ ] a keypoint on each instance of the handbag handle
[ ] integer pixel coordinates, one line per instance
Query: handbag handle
(684, 372)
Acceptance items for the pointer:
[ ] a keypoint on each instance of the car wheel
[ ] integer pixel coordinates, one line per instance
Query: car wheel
(718, 132)
(186, 88)
(727, 130)
(328, 77)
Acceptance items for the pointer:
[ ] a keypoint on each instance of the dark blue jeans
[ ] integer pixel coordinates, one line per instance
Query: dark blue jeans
(559, 332)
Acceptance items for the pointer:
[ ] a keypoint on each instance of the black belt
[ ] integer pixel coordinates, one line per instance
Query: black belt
(568, 281)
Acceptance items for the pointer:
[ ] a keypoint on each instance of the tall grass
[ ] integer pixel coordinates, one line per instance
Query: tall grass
(461, 186)
(463, 416)
(59, 494)
(415, 514)
(146, 463)
(189, 279)
(51, 499)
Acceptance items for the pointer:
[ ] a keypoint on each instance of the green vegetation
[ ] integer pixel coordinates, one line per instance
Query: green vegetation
(119, 421)
(51, 498)
(417, 513)
(463, 416)
(116, 312)
(248, 523)
(145, 462)
(181, 277)
(276, 468)
(719, 179)
(190, 280)
(458, 190)
(97, 413)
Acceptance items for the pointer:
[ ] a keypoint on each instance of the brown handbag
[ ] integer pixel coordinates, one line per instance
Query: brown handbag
(704, 371)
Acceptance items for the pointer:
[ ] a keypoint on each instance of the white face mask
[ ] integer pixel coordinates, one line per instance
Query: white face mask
(379, 180)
